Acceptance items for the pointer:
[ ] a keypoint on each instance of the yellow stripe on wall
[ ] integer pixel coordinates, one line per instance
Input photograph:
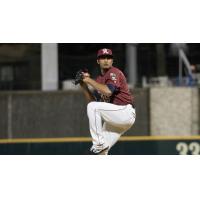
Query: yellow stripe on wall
(88, 139)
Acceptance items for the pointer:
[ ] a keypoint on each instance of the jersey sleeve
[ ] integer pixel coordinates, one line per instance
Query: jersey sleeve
(113, 81)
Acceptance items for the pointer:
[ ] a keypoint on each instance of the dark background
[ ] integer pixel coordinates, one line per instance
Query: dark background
(20, 64)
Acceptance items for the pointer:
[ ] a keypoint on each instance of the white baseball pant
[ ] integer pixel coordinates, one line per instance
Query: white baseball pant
(108, 122)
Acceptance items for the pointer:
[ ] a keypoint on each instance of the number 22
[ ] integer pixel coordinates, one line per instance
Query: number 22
(184, 148)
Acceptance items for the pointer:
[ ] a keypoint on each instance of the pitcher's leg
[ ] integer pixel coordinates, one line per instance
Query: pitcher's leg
(111, 134)
(117, 115)
(118, 120)
(95, 124)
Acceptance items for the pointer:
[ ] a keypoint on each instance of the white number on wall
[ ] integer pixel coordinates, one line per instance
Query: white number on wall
(192, 148)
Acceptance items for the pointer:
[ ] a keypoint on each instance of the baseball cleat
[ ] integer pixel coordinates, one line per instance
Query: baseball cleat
(99, 150)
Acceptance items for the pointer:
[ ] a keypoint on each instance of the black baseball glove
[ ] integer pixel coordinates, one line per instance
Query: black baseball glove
(79, 76)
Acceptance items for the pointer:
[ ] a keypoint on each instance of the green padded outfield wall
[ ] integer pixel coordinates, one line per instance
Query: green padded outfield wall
(129, 145)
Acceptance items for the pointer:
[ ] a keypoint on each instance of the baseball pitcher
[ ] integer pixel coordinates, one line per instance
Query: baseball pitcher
(110, 109)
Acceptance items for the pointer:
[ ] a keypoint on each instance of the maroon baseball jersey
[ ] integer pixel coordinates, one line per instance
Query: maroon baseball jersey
(116, 82)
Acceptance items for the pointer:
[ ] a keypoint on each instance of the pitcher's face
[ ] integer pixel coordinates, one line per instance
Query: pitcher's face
(105, 62)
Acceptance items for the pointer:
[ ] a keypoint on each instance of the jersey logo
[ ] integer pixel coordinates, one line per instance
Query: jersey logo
(113, 77)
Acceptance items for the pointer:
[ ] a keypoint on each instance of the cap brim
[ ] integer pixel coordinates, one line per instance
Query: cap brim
(105, 56)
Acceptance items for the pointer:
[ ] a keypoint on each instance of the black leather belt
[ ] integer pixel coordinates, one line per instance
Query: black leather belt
(133, 105)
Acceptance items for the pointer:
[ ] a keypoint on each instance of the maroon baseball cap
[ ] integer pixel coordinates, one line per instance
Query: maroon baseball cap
(104, 53)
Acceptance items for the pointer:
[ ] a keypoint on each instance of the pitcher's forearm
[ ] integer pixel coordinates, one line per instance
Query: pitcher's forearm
(99, 87)
(87, 93)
